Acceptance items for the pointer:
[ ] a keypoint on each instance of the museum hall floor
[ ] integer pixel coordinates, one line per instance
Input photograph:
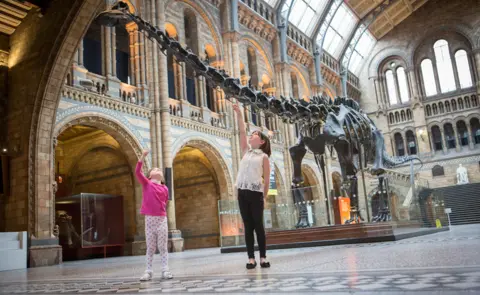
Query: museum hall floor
(442, 263)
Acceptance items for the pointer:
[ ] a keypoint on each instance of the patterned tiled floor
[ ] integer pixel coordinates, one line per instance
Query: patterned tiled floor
(441, 263)
(442, 281)
(432, 282)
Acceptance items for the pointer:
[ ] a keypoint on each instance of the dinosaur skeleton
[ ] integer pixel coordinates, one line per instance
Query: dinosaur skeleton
(338, 124)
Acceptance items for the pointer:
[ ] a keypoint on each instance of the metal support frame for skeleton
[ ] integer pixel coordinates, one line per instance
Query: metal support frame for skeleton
(338, 124)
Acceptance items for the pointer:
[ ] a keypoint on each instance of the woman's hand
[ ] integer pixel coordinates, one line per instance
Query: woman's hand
(236, 108)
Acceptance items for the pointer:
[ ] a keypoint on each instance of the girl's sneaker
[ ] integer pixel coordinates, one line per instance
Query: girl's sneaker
(167, 275)
(147, 276)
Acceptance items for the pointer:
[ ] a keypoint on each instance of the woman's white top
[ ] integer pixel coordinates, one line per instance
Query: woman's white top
(250, 173)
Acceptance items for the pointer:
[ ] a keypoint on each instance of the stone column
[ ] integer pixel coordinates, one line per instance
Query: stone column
(79, 71)
(405, 144)
(477, 66)
(413, 84)
(114, 51)
(206, 112)
(471, 139)
(444, 142)
(397, 87)
(107, 47)
(80, 53)
(377, 93)
(384, 94)
(113, 83)
(458, 146)
(175, 241)
(231, 38)
(131, 34)
(455, 73)
(43, 245)
(437, 80)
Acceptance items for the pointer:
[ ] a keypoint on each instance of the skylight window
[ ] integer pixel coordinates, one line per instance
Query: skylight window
(305, 13)
(363, 48)
(340, 28)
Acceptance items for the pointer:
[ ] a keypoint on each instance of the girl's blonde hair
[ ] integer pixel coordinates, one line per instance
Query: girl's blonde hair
(162, 180)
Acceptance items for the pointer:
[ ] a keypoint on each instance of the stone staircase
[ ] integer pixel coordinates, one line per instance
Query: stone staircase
(464, 200)
(13, 250)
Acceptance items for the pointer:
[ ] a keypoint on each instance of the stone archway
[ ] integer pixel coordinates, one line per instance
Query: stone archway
(72, 20)
(114, 142)
(200, 180)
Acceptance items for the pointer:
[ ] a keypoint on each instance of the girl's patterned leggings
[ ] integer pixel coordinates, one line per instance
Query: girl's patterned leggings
(156, 231)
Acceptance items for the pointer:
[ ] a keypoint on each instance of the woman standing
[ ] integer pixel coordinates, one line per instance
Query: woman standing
(252, 183)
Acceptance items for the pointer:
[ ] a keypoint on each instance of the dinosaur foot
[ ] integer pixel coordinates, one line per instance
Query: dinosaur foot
(302, 223)
(382, 217)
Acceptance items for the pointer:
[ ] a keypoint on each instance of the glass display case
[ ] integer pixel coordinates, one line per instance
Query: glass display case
(88, 220)
(286, 212)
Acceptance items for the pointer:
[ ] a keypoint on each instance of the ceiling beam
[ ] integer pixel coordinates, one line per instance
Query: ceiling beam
(409, 5)
(6, 29)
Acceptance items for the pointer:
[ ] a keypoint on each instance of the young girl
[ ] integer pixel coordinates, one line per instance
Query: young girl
(154, 207)
(252, 183)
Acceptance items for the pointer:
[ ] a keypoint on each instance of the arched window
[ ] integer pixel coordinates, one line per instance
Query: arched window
(435, 110)
(392, 119)
(454, 105)
(467, 102)
(449, 135)
(460, 103)
(429, 110)
(440, 108)
(399, 144)
(474, 101)
(402, 114)
(437, 138)
(409, 114)
(475, 125)
(462, 132)
(392, 92)
(411, 143)
(428, 78)
(447, 106)
(444, 66)
(397, 117)
(402, 84)
(463, 68)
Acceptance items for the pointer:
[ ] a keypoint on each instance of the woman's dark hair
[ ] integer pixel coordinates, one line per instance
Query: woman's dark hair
(265, 147)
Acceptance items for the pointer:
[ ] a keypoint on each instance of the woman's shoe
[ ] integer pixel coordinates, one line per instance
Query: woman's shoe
(265, 264)
(251, 265)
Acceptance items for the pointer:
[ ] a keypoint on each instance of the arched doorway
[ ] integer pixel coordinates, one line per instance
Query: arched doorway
(97, 197)
(200, 180)
(314, 196)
